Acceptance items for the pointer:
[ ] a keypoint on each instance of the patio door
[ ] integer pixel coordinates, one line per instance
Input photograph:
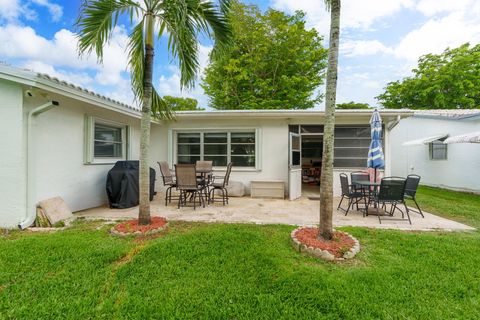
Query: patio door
(295, 166)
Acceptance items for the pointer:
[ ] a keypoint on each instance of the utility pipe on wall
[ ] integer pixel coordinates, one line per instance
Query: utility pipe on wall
(30, 155)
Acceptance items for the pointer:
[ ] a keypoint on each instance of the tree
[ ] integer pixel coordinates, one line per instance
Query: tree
(181, 20)
(326, 178)
(352, 105)
(182, 104)
(450, 80)
(273, 63)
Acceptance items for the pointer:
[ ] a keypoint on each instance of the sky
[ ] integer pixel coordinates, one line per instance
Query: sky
(380, 41)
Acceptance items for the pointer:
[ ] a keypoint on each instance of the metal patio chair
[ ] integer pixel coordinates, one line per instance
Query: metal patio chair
(411, 187)
(222, 186)
(188, 185)
(353, 195)
(168, 180)
(392, 191)
(359, 176)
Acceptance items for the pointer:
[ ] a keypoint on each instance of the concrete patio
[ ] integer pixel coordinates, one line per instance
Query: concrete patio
(302, 212)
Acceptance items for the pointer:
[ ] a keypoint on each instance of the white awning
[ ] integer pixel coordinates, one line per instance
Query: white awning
(426, 140)
(472, 137)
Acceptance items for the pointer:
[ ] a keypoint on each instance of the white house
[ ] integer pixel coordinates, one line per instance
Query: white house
(58, 139)
(417, 148)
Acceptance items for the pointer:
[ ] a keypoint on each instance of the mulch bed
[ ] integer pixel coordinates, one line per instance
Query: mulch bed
(340, 244)
(131, 227)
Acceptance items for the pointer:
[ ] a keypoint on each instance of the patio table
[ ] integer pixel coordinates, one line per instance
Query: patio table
(369, 184)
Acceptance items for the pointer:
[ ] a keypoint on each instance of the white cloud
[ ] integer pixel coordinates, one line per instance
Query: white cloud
(353, 48)
(355, 14)
(433, 7)
(435, 35)
(55, 10)
(24, 43)
(12, 10)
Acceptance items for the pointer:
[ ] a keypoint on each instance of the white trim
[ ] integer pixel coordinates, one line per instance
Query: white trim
(89, 153)
(171, 147)
(172, 138)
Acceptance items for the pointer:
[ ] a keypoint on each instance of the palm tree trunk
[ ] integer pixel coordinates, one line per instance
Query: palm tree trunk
(326, 179)
(144, 209)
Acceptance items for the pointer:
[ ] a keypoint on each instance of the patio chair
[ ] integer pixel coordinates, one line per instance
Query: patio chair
(168, 180)
(204, 166)
(411, 187)
(204, 174)
(359, 176)
(353, 195)
(188, 185)
(222, 186)
(392, 191)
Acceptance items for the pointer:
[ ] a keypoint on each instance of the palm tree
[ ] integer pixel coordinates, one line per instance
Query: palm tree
(326, 179)
(181, 20)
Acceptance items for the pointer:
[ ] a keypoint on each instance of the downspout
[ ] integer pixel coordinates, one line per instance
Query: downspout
(30, 155)
(394, 123)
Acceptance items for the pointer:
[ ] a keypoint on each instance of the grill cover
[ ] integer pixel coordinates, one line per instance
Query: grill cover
(123, 185)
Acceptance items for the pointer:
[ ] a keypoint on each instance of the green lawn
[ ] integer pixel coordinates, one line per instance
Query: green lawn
(227, 271)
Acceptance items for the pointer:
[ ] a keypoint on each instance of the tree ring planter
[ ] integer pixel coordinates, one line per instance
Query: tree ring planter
(343, 246)
(132, 228)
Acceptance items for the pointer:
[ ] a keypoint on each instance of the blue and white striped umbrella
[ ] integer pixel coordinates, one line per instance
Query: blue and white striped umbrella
(375, 152)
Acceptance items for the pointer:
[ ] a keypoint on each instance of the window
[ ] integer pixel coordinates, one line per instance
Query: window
(220, 147)
(438, 150)
(351, 146)
(106, 141)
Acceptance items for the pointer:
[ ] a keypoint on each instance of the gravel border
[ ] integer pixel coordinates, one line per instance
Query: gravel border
(324, 254)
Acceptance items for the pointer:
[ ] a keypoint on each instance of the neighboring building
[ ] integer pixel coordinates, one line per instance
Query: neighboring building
(417, 148)
(60, 140)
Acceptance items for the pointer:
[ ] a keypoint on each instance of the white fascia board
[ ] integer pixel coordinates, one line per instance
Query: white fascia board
(232, 114)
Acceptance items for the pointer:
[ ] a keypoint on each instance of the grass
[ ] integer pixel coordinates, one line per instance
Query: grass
(460, 206)
(229, 271)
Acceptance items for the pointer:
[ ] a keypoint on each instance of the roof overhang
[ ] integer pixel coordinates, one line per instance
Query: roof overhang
(53, 85)
(472, 137)
(30, 79)
(425, 140)
(287, 114)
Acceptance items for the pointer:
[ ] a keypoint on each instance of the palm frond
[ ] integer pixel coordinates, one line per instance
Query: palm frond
(160, 109)
(182, 38)
(328, 4)
(96, 22)
(209, 17)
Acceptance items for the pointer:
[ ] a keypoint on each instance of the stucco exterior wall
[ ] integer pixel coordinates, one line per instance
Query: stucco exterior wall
(460, 170)
(12, 160)
(273, 139)
(273, 146)
(59, 154)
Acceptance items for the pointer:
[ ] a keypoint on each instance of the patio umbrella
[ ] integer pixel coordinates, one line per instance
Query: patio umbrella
(375, 152)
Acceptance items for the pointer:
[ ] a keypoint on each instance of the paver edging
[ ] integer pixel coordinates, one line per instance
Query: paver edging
(324, 254)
